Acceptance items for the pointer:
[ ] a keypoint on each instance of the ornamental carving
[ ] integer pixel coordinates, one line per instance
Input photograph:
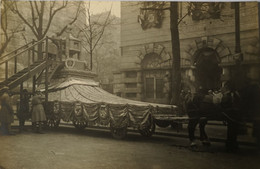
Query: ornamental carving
(151, 15)
(103, 112)
(205, 10)
(70, 63)
(56, 108)
(78, 109)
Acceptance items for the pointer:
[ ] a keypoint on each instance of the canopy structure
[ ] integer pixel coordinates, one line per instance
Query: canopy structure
(88, 91)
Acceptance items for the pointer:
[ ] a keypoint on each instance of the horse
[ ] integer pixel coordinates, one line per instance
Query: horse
(220, 105)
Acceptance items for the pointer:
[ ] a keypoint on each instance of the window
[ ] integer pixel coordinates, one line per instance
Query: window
(130, 74)
(76, 44)
(130, 95)
(159, 88)
(154, 88)
(131, 85)
(149, 86)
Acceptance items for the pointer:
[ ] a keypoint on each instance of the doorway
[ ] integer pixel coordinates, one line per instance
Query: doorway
(207, 69)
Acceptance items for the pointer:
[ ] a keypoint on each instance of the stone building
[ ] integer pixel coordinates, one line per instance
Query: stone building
(207, 44)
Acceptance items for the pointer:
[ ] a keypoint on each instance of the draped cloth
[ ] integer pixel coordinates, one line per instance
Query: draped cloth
(84, 100)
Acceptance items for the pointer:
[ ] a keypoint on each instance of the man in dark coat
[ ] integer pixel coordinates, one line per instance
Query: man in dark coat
(6, 112)
(23, 113)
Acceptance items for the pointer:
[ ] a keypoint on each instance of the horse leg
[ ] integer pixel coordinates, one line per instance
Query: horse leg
(191, 128)
(203, 135)
(231, 143)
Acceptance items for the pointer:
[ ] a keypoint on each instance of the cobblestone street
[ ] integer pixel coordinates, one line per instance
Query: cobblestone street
(66, 148)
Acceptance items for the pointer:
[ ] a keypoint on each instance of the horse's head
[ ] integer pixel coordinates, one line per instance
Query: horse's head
(190, 102)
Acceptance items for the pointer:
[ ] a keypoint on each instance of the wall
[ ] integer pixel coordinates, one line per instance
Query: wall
(217, 33)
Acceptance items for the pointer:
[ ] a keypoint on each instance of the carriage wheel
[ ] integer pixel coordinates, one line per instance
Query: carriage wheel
(161, 123)
(80, 125)
(148, 131)
(53, 122)
(119, 133)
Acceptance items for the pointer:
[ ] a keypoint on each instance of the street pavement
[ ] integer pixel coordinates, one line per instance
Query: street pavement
(94, 148)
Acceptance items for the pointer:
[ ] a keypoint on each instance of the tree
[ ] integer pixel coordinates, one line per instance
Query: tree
(107, 50)
(93, 30)
(39, 11)
(176, 58)
(7, 31)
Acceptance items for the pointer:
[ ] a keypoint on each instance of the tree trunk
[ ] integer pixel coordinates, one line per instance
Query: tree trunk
(258, 27)
(237, 27)
(238, 78)
(39, 52)
(176, 72)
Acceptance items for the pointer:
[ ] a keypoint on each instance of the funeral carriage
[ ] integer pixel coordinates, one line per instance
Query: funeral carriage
(75, 96)
(83, 102)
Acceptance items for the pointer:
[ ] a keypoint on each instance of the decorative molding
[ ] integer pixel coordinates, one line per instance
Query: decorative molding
(207, 42)
(70, 63)
(159, 57)
(78, 109)
(151, 15)
(205, 10)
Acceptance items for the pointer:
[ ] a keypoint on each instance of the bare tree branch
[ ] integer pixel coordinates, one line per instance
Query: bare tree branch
(24, 38)
(86, 48)
(16, 11)
(102, 31)
(51, 16)
(93, 31)
(33, 15)
(182, 18)
(36, 6)
(74, 20)
(7, 32)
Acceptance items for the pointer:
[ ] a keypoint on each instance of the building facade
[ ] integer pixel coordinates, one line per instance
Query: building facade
(207, 44)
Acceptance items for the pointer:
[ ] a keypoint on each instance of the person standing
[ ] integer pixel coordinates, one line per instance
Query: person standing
(6, 112)
(38, 114)
(23, 113)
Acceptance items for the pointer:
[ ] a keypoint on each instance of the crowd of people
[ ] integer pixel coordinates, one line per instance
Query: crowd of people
(36, 113)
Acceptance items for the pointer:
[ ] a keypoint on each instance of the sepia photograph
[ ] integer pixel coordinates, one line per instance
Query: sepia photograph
(123, 84)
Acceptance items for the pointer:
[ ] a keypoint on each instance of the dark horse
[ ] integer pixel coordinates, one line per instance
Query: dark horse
(233, 107)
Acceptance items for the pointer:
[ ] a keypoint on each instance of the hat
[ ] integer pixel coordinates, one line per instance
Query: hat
(5, 88)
